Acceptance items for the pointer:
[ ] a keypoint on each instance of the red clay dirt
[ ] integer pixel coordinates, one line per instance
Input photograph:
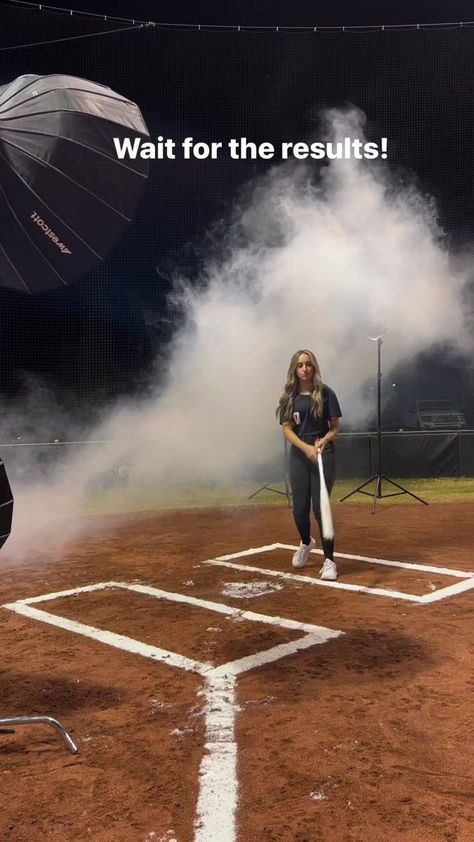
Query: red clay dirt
(364, 738)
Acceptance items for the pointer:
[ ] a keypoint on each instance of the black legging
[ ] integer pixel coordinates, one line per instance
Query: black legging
(304, 481)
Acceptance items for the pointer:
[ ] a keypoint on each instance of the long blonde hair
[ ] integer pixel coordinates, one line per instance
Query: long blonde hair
(284, 409)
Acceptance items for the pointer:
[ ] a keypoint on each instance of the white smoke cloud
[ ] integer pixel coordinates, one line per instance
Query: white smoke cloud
(306, 264)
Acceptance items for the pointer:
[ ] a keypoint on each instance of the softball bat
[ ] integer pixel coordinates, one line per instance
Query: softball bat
(326, 514)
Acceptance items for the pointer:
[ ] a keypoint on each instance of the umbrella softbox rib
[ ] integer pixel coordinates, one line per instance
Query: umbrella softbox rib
(67, 195)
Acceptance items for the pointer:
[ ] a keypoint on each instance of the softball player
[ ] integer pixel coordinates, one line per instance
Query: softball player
(309, 413)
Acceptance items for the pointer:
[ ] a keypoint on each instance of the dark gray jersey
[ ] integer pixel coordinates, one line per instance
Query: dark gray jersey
(307, 425)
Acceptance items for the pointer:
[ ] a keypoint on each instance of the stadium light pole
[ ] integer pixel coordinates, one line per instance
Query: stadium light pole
(379, 476)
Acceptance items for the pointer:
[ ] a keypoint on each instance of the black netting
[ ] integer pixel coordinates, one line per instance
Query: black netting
(98, 339)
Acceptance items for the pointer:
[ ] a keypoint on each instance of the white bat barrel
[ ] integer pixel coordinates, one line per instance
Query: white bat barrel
(326, 514)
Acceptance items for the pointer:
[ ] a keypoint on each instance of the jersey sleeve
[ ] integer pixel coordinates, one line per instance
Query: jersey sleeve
(334, 410)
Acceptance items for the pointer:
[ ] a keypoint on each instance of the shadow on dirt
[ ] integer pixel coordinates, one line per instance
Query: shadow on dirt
(28, 694)
(359, 657)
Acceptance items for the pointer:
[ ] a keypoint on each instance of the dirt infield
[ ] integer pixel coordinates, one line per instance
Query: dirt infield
(360, 737)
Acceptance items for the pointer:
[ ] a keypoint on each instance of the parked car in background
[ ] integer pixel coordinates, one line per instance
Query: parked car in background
(433, 415)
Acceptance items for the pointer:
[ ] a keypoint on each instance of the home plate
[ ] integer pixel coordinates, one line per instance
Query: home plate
(248, 590)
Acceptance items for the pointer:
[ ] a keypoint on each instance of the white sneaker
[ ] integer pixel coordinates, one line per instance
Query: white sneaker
(328, 571)
(300, 558)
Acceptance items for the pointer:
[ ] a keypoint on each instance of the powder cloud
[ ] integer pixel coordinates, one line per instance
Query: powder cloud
(306, 262)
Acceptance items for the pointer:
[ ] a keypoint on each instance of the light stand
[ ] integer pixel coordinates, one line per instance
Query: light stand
(6, 511)
(38, 720)
(379, 476)
(268, 486)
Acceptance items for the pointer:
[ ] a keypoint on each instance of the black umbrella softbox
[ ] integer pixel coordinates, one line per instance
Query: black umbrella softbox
(6, 505)
(65, 197)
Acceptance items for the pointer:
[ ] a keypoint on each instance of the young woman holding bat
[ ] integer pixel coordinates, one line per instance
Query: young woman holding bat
(309, 413)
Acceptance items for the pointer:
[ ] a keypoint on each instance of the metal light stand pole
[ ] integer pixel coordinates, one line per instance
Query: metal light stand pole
(379, 476)
(6, 509)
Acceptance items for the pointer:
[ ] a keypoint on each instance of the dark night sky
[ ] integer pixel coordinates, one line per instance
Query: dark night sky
(280, 12)
(103, 333)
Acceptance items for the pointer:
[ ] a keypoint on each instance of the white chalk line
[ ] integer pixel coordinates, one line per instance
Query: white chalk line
(118, 641)
(311, 580)
(451, 590)
(423, 568)
(31, 600)
(218, 781)
(273, 654)
(157, 593)
(437, 596)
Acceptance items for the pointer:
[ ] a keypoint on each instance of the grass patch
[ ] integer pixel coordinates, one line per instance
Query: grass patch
(433, 490)
(130, 499)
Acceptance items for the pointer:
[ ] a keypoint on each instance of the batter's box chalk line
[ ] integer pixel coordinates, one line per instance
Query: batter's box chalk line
(466, 582)
(218, 783)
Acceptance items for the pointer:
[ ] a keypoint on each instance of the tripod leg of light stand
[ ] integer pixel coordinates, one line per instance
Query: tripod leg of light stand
(377, 492)
(358, 489)
(402, 491)
(378, 495)
(268, 487)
